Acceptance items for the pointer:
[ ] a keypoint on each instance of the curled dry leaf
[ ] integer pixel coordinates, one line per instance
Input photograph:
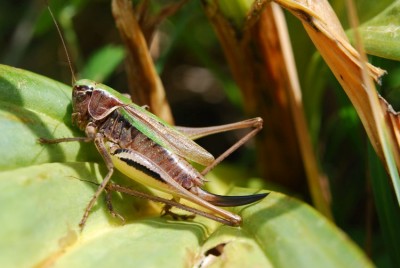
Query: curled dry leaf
(393, 124)
(325, 30)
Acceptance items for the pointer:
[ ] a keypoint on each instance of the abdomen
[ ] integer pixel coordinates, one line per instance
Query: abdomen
(143, 160)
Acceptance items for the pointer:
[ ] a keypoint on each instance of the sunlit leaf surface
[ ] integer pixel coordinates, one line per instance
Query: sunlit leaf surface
(45, 189)
(381, 34)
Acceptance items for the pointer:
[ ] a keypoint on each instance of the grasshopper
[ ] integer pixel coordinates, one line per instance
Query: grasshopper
(148, 150)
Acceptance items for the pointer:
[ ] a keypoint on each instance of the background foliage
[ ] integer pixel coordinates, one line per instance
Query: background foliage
(201, 92)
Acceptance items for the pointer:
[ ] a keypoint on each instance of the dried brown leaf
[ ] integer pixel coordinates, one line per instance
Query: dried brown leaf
(144, 83)
(317, 181)
(392, 119)
(254, 57)
(326, 32)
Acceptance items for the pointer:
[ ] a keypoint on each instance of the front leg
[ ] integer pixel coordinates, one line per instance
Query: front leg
(100, 145)
(54, 141)
(90, 133)
(98, 138)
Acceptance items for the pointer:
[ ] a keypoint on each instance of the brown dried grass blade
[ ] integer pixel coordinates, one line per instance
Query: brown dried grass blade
(317, 181)
(261, 61)
(326, 32)
(390, 150)
(392, 120)
(355, 74)
(145, 85)
(255, 61)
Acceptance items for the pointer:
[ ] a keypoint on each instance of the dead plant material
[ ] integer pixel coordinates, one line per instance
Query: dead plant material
(145, 85)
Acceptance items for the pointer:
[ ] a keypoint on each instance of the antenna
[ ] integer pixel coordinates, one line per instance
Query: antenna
(63, 43)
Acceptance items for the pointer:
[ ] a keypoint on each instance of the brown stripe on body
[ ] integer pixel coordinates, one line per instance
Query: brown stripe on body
(119, 131)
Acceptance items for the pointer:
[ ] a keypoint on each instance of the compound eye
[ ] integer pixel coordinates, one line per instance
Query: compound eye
(81, 92)
(81, 96)
(83, 88)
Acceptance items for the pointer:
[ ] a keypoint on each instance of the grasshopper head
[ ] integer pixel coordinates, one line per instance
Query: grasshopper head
(81, 94)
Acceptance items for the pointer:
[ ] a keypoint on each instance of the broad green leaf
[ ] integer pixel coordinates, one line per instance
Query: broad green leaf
(366, 9)
(32, 106)
(381, 34)
(44, 198)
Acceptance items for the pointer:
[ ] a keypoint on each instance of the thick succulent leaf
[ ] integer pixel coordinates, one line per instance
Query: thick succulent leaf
(44, 195)
(381, 34)
(32, 106)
